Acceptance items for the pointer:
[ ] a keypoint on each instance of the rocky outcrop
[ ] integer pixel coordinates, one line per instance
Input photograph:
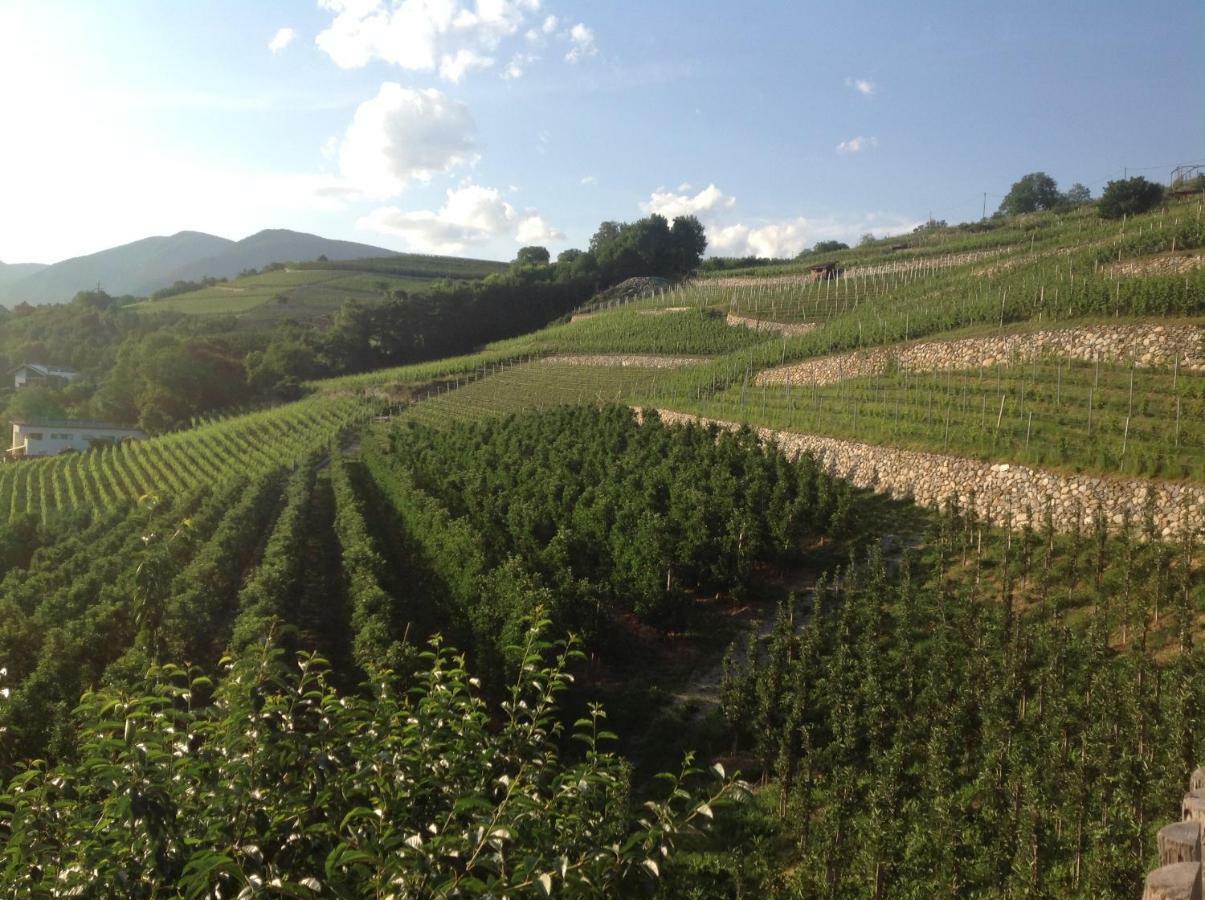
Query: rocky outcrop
(1146, 345)
(1002, 493)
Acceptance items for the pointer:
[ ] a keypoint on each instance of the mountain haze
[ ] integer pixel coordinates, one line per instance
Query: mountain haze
(11, 272)
(144, 266)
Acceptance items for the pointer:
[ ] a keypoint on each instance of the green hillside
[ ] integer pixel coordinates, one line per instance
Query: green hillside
(940, 690)
(307, 291)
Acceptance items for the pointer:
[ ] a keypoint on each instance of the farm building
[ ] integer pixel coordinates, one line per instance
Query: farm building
(823, 271)
(37, 373)
(47, 437)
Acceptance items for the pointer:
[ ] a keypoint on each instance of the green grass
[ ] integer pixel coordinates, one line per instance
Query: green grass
(312, 290)
(1048, 414)
(414, 265)
(692, 332)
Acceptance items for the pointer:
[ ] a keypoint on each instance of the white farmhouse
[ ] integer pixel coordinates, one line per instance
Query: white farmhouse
(46, 437)
(36, 373)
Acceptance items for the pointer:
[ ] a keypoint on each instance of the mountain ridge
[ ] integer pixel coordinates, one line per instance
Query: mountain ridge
(143, 266)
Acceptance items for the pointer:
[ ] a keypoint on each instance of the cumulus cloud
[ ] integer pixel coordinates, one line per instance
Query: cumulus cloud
(775, 240)
(403, 134)
(471, 214)
(281, 39)
(451, 37)
(582, 44)
(857, 144)
(452, 67)
(863, 86)
(518, 65)
(671, 205)
(728, 236)
(534, 230)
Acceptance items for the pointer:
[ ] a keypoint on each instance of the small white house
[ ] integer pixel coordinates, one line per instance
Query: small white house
(36, 373)
(47, 437)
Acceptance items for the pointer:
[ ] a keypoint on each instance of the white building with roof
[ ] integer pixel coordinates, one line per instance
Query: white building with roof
(36, 373)
(47, 437)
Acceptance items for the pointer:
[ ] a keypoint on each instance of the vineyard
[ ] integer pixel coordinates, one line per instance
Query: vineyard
(209, 454)
(934, 705)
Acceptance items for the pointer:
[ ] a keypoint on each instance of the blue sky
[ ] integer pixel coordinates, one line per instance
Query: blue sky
(474, 126)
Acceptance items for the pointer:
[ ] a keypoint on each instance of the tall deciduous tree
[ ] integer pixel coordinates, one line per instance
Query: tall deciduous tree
(1035, 191)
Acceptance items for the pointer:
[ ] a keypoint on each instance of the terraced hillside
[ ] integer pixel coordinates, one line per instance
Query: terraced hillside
(317, 290)
(939, 698)
(1046, 343)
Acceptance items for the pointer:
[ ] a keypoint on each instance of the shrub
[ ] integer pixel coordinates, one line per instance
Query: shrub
(1130, 197)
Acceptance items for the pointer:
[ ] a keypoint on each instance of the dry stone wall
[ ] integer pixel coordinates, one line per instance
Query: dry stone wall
(1002, 493)
(790, 329)
(618, 360)
(1179, 874)
(1146, 345)
(1157, 265)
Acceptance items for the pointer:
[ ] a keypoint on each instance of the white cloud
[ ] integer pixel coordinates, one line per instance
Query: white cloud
(330, 147)
(550, 24)
(582, 40)
(671, 205)
(404, 134)
(857, 144)
(518, 65)
(863, 86)
(775, 238)
(534, 230)
(281, 39)
(589, 179)
(471, 215)
(452, 67)
(453, 37)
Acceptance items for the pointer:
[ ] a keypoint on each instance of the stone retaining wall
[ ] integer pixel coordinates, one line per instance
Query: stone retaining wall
(1179, 874)
(614, 360)
(1145, 344)
(995, 489)
(788, 328)
(1157, 265)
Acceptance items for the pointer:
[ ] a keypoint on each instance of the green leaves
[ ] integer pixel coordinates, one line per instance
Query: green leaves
(284, 786)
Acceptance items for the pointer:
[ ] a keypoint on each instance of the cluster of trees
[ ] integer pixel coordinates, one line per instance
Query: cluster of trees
(185, 287)
(161, 370)
(1037, 191)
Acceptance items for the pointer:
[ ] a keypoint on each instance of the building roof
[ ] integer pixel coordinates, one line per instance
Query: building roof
(77, 424)
(47, 371)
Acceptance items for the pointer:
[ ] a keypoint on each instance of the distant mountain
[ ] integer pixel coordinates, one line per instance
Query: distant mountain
(127, 269)
(272, 245)
(144, 266)
(10, 272)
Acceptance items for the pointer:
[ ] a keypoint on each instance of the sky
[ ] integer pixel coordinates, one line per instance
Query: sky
(474, 127)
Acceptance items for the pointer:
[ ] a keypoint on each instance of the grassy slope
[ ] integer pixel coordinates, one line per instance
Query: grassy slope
(309, 290)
